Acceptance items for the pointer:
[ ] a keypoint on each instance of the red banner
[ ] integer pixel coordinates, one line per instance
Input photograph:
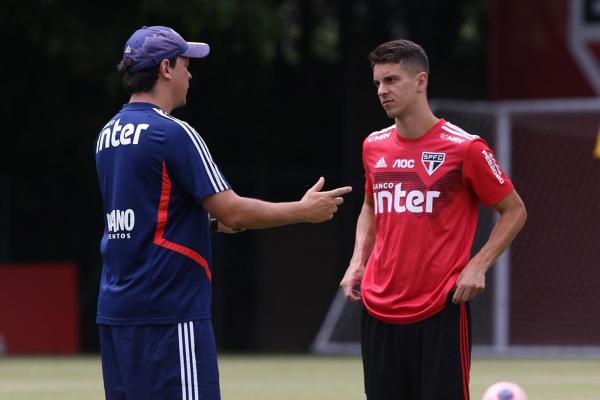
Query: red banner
(544, 49)
(39, 310)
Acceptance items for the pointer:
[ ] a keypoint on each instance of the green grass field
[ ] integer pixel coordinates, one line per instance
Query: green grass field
(295, 377)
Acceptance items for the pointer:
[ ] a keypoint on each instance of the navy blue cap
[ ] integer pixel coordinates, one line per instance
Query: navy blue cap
(148, 46)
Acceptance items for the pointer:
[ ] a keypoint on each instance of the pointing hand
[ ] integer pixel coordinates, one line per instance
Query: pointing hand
(320, 206)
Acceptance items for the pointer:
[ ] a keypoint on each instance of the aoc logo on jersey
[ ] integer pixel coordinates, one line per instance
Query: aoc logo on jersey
(399, 201)
(114, 134)
(404, 163)
(120, 223)
(432, 161)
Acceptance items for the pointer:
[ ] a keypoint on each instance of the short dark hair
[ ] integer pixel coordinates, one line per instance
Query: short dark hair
(402, 51)
(142, 80)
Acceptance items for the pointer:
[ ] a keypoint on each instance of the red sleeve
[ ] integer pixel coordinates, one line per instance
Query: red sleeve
(483, 174)
(368, 183)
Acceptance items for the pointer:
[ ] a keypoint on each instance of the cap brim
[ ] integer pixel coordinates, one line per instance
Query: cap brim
(196, 50)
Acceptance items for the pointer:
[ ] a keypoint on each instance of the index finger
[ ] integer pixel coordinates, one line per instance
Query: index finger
(339, 191)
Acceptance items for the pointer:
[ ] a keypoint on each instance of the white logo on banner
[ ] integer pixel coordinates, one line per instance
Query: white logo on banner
(584, 33)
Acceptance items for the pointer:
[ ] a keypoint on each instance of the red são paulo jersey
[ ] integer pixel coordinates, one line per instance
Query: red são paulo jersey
(425, 195)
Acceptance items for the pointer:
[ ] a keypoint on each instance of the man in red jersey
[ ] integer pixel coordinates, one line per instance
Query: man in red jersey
(424, 180)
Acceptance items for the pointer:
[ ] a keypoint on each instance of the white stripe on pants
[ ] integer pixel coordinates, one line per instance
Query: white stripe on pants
(187, 361)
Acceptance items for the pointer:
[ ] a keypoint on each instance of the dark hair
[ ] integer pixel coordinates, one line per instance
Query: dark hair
(409, 54)
(142, 80)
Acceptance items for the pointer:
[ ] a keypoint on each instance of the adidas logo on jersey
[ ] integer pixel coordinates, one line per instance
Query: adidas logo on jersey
(381, 163)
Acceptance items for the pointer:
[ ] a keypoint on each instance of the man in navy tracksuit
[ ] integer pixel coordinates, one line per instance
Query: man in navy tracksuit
(159, 185)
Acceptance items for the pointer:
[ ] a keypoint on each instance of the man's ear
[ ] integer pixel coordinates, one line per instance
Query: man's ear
(165, 68)
(422, 79)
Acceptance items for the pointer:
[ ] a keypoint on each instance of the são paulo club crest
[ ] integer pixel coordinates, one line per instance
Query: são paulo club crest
(432, 161)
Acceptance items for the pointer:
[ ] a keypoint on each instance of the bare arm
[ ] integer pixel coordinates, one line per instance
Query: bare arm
(471, 280)
(246, 213)
(363, 246)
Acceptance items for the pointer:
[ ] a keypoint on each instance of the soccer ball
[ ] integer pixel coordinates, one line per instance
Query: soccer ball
(504, 391)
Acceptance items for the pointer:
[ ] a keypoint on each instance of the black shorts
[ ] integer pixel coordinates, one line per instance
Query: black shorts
(427, 360)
